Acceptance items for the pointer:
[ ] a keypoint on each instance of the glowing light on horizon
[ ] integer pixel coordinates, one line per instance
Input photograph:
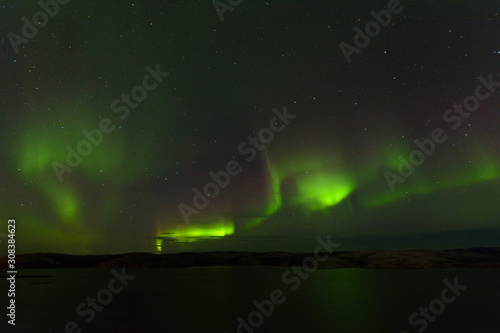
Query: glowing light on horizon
(194, 232)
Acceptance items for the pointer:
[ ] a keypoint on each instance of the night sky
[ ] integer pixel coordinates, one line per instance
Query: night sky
(206, 88)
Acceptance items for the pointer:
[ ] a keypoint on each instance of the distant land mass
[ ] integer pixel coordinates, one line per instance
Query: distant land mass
(484, 257)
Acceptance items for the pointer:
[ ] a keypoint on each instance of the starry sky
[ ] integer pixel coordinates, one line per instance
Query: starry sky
(212, 86)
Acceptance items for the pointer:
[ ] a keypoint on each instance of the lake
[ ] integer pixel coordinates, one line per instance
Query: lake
(210, 299)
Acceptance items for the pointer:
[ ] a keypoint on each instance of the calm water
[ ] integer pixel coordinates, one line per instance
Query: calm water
(210, 300)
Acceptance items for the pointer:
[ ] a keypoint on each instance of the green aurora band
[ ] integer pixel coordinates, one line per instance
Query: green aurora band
(313, 181)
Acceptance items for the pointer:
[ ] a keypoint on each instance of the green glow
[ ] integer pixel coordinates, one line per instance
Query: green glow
(41, 146)
(192, 233)
(67, 206)
(412, 187)
(485, 170)
(274, 199)
(393, 153)
(311, 181)
(489, 171)
(321, 190)
(423, 182)
(320, 178)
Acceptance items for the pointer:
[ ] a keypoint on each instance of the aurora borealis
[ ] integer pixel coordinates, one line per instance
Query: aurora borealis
(323, 173)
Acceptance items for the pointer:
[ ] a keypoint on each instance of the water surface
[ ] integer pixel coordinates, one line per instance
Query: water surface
(211, 299)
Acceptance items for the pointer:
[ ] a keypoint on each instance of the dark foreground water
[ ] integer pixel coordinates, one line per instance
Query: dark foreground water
(211, 300)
